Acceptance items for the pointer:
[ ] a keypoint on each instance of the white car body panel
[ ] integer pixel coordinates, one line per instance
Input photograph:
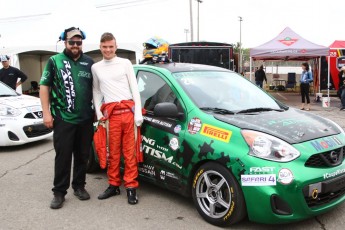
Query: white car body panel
(30, 117)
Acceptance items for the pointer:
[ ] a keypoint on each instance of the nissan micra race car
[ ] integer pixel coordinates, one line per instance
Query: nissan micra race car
(211, 134)
(21, 118)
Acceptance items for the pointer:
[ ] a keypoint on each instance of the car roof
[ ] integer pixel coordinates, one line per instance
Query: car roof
(184, 67)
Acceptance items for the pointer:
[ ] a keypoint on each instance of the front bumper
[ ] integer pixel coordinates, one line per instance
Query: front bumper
(21, 131)
(309, 191)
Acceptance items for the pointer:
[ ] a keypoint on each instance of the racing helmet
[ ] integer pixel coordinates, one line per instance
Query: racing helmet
(156, 49)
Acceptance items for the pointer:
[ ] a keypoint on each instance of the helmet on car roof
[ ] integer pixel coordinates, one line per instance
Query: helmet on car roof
(156, 50)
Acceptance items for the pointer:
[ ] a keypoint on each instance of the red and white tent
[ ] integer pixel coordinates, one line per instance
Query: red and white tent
(290, 46)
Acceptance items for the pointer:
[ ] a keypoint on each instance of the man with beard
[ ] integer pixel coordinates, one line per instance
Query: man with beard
(66, 97)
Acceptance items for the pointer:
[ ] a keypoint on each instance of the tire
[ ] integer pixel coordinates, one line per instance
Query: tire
(217, 195)
(92, 165)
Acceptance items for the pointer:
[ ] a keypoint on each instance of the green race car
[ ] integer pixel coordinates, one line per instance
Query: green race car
(211, 134)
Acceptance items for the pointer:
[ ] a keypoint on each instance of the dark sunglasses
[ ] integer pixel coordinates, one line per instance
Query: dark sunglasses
(78, 43)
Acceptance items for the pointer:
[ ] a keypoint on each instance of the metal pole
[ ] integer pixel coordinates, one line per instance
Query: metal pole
(199, 1)
(191, 20)
(240, 48)
(318, 82)
(328, 77)
(186, 31)
(250, 68)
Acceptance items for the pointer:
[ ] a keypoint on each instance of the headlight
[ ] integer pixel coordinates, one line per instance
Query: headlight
(8, 111)
(268, 147)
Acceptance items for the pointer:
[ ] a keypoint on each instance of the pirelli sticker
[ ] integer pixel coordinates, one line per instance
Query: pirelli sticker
(216, 133)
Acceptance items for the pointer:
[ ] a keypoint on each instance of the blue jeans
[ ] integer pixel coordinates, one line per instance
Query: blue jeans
(342, 98)
(259, 83)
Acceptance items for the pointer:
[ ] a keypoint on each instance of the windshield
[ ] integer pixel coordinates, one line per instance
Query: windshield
(224, 91)
(6, 91)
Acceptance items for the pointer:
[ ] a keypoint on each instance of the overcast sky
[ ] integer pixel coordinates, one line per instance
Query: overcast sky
(42, 21)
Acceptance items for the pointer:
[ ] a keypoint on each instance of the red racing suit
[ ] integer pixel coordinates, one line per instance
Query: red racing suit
(122, 140)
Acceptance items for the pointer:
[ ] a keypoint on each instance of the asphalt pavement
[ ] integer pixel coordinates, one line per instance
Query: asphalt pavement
(332, 111)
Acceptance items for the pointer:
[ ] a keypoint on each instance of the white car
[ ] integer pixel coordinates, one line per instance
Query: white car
(21, 118)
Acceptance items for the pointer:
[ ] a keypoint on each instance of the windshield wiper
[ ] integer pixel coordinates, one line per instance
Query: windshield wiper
(217, 110)
(260, 109)
(7, 95)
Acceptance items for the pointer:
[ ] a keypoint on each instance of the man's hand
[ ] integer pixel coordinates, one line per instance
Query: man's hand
(18, 83)
(138, 121)
(48, 120)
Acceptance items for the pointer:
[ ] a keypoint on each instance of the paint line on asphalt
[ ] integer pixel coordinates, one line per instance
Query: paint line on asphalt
(285, 98)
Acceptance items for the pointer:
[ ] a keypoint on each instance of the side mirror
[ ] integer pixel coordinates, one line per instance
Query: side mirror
(167, 109)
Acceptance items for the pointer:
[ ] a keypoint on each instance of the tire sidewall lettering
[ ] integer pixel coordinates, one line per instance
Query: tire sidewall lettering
(196, 177)
(232, 206)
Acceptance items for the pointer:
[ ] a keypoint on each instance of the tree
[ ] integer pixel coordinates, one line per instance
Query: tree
(245, 52)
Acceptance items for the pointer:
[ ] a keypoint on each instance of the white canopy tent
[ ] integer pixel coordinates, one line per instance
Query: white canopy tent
(32, 59)
(31, 48)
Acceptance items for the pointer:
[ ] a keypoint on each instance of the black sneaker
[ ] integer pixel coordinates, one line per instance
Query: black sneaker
(82, 194)
(57, 202)
(109, 192)
(132, 196)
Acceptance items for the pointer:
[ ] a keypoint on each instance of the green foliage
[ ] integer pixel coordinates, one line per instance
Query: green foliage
(245, 51)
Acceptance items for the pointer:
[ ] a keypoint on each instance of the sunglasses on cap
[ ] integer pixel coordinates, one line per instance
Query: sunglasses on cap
(78, 43)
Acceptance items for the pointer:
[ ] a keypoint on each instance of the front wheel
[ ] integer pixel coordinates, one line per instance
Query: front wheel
(217, 195)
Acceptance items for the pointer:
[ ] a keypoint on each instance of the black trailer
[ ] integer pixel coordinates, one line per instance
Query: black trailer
(208, 53)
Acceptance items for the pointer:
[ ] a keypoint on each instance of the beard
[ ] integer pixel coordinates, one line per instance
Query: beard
(73, 54)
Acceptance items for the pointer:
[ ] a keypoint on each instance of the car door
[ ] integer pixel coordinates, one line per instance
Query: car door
(161, 136)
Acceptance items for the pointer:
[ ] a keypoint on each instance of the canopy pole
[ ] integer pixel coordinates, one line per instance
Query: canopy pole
(250, 67)
(318, 82)
(328, 76)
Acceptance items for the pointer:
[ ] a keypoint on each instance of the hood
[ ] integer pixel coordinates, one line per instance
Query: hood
(21, 101)
(293, 126)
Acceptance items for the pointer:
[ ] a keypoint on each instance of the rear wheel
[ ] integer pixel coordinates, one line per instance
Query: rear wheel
(92, 163)
(217, 195)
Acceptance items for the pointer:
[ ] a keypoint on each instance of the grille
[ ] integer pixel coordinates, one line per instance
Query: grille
(36, 130)
(12, 136)
(34, 115)
(326, 159)
(324, 198)
(331, 190)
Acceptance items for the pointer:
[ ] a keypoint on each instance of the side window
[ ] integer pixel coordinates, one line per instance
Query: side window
(154, 90)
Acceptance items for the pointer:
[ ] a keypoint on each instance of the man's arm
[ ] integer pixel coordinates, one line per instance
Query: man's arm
(265, 78)
(22, 77)
(96, 93)
(138, 117)
(44, 96)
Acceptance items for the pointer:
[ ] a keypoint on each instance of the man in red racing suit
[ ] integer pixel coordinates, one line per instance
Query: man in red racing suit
(116, 98)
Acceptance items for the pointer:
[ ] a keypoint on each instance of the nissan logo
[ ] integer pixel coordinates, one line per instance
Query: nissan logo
(334, 157)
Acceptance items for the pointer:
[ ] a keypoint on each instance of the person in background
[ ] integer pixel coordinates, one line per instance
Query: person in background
(115, 81)
(9, 74)
(341, 93)
(306, 79)
(260, 76)
(66, 97)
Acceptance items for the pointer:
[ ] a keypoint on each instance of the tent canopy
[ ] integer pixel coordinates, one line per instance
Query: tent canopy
(337, 44)
(288, 45)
